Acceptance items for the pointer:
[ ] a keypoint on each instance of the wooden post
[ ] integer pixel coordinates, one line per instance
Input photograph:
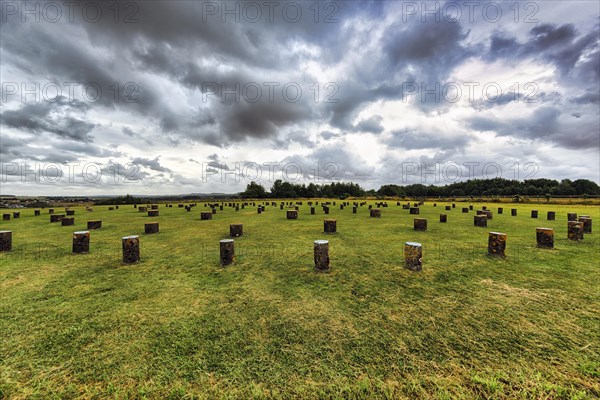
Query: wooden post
(16, 214)
(571, 216)
(70, 212)
(111, 208)
(420, 224)
(312, 210)
(6, 217)
(480, 220)
(213, 210)
(227, 251)
(534, 214)
(236, 230)
(500, 210)
(375, 213)
(551, 216)
(465, 210)
(205, 215)
(326, 210)
(67, 221)
(575, 230)
(131, 249)
(545, 238)
(153, 213)
(489, 214)
(321, 255)
(51, 211)
(443, 218)
(354, 210)
(413, 256)
(5, 240)
(81, 242)
(330, 226)
(453, 205)
(587, 224)
(513, 212)
(94, 224)
(448, 208)
(36, 212)
(292, 214)
(150, 227)
(142, 209)
(496, 244)
(414, 210)
(471, 207)
(154, 206)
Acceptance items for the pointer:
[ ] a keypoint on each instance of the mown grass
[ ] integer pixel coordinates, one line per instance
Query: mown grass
(177, 325)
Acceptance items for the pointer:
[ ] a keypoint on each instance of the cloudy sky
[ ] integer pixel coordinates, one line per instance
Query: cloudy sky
(188, 96)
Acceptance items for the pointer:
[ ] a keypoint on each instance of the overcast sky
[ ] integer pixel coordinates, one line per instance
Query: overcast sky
(183, 96)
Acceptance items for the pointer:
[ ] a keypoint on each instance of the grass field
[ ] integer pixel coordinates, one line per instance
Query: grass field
(177, 325)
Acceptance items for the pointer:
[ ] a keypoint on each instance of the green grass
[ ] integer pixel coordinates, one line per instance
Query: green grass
(177, 325)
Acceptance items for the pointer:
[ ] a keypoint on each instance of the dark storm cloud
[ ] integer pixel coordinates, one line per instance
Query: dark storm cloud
(543, 124)
(560, 45)
(50, 117)
(300, 137)
(370, 125)
(411, 139)
(590, 97)
(153, 164)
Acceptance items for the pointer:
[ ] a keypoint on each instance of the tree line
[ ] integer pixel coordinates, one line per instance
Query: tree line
(476, 187)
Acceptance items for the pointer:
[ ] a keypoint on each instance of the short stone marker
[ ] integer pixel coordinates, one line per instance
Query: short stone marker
(448, 208)
(575, 230)
(153, 213)
(5, 240)
(56, 217)
(480, 220)
(443, 218)
(414, 210)
(587, 223)
(292, 214)
(81, 242)
(94, 224)
(36, 212)
(571, 216)
(227, 251)
(326, 210)
(16, 214)
(205, 215)
(413, 256)
(150, 228)
(131, 249)
(551, 216)
(321, 255)
(236, 230)
(67, 221)
(6, 217)
(513, 212)
(420, 224)
(330, 226)
(465, 210)
(496, 244)
(500, 210)
(544, 238)
(375, 213)
(534, 213)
